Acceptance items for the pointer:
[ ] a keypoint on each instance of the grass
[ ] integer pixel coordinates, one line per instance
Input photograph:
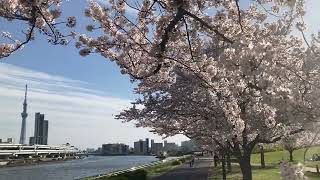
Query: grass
(271, 172)
(272, 160)
(159, 169)
(275, 157)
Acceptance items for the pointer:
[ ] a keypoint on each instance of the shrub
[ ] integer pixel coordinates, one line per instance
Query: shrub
(175, 162)
(183, 160)
(139, 174)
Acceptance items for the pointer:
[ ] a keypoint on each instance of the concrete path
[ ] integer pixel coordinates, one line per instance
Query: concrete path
(200, 171)
(310, 169)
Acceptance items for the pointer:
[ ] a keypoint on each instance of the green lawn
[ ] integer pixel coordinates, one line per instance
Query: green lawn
(275, 157)
(159, 169)
(272, 160)
(269, 173)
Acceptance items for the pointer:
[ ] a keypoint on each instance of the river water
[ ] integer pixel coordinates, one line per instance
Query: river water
(73, 169)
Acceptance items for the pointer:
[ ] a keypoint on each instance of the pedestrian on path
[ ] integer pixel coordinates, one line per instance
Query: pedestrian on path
(192, 162)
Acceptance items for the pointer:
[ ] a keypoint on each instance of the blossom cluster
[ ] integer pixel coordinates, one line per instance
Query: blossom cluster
(37, 14)
(239, 79)
(291, 171)
(210, 70)
(6, 49)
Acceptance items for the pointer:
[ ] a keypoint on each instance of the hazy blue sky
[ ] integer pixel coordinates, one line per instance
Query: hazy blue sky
(78, 95)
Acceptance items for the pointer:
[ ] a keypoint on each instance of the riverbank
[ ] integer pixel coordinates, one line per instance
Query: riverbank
(143, 172)
(33, 161)
(74, 169)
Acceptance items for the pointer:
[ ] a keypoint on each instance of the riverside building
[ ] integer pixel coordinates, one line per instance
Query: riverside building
(114, 149)
(156, 148)
(141, 147)
(41, 127)
(170, 146)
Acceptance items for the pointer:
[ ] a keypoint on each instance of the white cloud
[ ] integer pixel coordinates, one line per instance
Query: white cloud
(76, 113)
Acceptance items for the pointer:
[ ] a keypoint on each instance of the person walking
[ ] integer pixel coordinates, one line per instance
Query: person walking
(192, 161)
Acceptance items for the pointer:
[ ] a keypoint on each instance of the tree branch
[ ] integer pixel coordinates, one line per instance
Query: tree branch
(212, 28)
(278, 138)
(239, 14)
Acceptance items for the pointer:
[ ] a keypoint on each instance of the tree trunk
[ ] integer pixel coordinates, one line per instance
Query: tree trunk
(263, 164)
(223, 160)
(291, 156)
(229, 169)
(246, 167)
(309, 145)
(215, 159)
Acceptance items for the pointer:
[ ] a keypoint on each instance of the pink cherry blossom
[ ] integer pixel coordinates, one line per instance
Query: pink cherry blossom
(41, 15)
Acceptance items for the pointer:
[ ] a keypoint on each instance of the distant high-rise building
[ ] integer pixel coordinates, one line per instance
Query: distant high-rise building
(147, 146)
(40, 130)
(156, 148)
(170, 146)
(9, 140)
(142, 147)
(138, 147)
(152, 142)
(90, 150)
(24, 116)
(115, 149)
(31, 140)
(45, 131)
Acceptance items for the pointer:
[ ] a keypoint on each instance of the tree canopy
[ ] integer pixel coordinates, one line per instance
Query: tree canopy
(209, 69)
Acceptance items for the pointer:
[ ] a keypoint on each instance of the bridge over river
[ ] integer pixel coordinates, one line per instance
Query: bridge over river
(16, 151)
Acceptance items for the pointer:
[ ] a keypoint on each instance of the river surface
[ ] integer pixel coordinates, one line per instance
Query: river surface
(73, 169)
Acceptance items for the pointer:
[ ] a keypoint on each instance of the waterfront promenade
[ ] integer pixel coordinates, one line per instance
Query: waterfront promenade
(200, 171)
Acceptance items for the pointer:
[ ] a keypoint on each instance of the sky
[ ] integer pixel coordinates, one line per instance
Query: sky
(78, 95)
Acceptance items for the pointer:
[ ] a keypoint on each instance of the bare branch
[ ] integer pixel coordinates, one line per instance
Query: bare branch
(239, 14)
(278, 138)
(188, 38)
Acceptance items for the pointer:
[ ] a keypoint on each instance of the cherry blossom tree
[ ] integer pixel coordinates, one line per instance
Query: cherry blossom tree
(162, 34)
(290, 144)
(210, 69)
(32, 16)
(300, 140)
(239, 84)
(239, 122)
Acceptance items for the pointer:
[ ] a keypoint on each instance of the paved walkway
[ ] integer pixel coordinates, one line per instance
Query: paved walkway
(310, 169)
(200, 171)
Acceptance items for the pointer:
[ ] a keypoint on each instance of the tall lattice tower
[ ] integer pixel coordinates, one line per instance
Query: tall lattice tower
(24, 116)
